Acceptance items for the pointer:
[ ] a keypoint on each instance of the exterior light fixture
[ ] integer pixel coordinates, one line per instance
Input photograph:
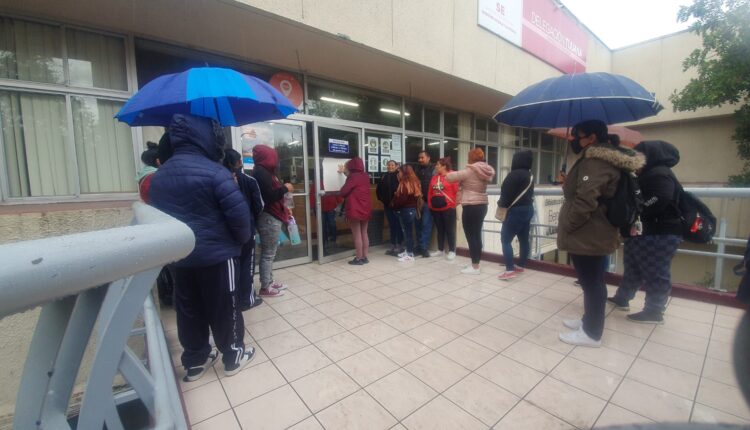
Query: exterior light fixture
(341, 102)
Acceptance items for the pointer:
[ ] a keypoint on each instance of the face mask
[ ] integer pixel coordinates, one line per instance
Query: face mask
(575, 145)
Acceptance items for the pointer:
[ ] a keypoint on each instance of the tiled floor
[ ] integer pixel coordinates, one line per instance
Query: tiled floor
(419, 346)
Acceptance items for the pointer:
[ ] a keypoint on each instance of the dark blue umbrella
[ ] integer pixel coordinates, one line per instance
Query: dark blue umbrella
(225, 95)
(569, 99)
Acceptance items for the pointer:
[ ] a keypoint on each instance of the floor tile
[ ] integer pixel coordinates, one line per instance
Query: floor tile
(652, 403)
(425, 293)
(288, 305)
(723, 397)
(404, 300)
(402, 349)
(605, 358)
(260, 313)
(318, 297)
(622, 342)
(225, 420)
(304, 317)
(320, 330)
(456, 323)
(691, 314)
(375, 332)
(204, 402)
(367, 366)
(358, 411)
(360, 299)
(467, 353)
(727, 321)
(720, 371)
(544, 304)
(511, 375)
(449, 302)
(380, 309)
(567, 402)
(282, 343)
(687, 326)
(334, 307)
(481, 398)
(548, 338)
(478, 312)
(665, 378)
(301, 362)
(614, 415)
(720, 350)
(491, 338)
(431, 335)
(252, 382)
(437, 371)
(528, 313)
(588, 378)
(428, 311)
(672, 357)
(496, 303)
(723, 334)
(532, 355)
(679, 340)
(525, 416)
(276, 410)
(617, 322)
(353, 318)
(510, 324)
(307, 424)
(401, 393)
(341, 346)
(709, 415)
(326, 386)
(403, 321)
(268, 327)
(440, 413)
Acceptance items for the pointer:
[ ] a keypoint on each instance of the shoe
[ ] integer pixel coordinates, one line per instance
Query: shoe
(519, 269)
(507, 276)
(470, 270)
(451, 256)
(426, 253)
(364, 260)
(278, 286)
(407, 257)
(579, 338)
(573, 324)
(436, 253)
(234, 368)
(402, 254)
(392, 253)
(620, 305)
(357, 262)
(271, 292)
(246, 306)
(196, 372)
(647, 317)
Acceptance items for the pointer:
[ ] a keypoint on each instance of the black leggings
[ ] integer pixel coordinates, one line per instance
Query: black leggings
(590, 271)
(445, 222)
(472, 220)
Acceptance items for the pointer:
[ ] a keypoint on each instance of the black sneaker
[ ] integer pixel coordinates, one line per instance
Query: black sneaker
(357, 262)
(196, 372)
(647, 317)
(234, 368)
(246, 306)
(426, 254)
(364, 260)
(620, 304)
(392, 253)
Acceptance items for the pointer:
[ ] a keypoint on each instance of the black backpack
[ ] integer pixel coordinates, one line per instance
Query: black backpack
(625, 207)
(698, 223)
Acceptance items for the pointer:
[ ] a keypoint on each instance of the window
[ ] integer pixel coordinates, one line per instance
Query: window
(337, 101)
(44, 153)
(413, 148)
(450, 126)
(480, 129)
(413, 119)
(432, 147)
(432, 120)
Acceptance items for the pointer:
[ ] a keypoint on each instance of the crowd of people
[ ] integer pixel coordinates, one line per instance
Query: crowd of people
(194, 176)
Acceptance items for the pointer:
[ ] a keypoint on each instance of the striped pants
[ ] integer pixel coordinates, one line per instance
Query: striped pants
(647, 265)
(207, 298)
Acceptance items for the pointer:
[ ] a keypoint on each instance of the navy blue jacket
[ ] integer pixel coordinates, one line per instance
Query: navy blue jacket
(194, 188)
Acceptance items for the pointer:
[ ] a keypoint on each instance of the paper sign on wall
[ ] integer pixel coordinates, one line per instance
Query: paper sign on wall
(332, 179)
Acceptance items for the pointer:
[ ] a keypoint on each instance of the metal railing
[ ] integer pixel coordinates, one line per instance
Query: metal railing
(720, 239)
(99, 279)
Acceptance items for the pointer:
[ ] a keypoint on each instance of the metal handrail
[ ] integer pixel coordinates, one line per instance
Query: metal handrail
(99, 279)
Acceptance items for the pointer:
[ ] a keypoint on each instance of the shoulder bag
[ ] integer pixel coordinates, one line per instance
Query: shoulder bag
(501, 212)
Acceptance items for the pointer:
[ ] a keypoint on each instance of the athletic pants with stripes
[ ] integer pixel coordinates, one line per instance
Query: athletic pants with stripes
(246, 268)
(207, 298)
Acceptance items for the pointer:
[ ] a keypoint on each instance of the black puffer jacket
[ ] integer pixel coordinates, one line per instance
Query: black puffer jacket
(425, 174)
(660, 214)
(387, 188)
(517, 181)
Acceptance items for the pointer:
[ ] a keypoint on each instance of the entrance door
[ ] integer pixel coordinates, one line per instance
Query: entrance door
(334, 146)
(288, 138)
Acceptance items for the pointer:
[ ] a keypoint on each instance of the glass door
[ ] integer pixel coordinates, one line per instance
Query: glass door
(288, 138)
(334, 146)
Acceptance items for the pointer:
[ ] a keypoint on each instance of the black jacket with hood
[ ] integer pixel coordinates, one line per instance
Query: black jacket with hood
(517, 181)
(659, 186)
(387, 188)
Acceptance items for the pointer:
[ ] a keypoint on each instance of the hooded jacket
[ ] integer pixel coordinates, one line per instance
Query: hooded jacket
(194, 188)
(583, 228)
(473, 181)
(517, 181)
(356, 191)
(387, 188)
(271, 189)
(659, 187)
(441, 187)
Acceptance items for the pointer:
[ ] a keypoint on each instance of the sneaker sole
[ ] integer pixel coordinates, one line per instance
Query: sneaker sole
(239, 368)
(646, 322)
(209, 363)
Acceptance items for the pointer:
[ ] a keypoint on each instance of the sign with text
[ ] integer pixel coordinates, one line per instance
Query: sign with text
(338, 146)
(539, 27)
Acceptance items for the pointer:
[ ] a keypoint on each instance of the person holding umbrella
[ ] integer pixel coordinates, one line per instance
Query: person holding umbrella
(584, 230)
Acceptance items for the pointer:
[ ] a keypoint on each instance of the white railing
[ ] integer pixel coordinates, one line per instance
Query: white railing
(720, 239)
(99, 279)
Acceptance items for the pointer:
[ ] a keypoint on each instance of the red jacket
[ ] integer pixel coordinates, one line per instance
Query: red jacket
(447, 189)
(356, 191)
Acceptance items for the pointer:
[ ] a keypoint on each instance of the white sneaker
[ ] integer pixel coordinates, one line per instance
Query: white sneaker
(573, 324)
(436, 253)
(403, 254)
(407, 257)
(470, 270)
(451, 256)
(579, 338)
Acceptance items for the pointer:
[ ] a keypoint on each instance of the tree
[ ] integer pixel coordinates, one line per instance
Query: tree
(723, 67)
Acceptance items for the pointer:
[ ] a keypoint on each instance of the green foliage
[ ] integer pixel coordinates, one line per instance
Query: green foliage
(722, 65)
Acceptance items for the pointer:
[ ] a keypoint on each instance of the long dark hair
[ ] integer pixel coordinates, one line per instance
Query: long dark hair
(150, 156)
(231, 157)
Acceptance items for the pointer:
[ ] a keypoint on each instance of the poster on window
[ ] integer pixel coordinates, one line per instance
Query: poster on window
(372, 145)
(396, 148)
(373, 163)
(384, 164)
(385, 146)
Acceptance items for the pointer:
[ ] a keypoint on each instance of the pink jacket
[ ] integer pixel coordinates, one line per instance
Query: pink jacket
(473, 181)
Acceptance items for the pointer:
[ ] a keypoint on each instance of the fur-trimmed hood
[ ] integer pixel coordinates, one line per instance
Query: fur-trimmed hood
(622, 158)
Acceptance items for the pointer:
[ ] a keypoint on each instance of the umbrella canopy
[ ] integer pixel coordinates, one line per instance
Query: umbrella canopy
(225, 95)
(628, 137)
(569, 99)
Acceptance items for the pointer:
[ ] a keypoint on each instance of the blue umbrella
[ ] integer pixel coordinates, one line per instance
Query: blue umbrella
(225, 95)
(569, 99)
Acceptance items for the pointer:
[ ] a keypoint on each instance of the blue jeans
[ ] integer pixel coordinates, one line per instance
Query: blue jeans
(407, 216)
(397, 235)
(329, 226)
(517, 224)
(424, 228)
